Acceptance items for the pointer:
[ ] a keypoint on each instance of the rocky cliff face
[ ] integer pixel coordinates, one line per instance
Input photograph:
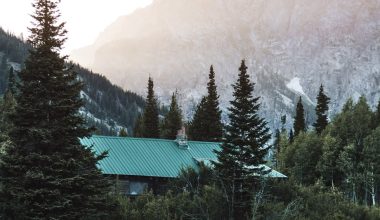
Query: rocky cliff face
(291, 47)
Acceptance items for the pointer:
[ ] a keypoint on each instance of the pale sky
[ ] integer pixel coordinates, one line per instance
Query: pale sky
(85, 19)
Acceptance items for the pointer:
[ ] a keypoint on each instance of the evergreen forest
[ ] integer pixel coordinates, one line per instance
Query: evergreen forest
(48, 104)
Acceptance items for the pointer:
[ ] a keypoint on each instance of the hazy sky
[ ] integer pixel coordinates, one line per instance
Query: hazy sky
(85, 18)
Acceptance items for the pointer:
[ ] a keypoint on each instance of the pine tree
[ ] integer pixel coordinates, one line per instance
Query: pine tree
(207, 124)
(173, 120)
(299, 120)
(214, 130)
(321, 110)
(244, 147)
(123, 133)
(150, 119)
(47, 173)
(197, 127)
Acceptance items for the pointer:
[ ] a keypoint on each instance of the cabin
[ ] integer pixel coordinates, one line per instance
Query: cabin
(142, 163)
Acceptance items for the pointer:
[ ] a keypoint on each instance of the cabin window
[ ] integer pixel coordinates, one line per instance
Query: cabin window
(137, 188)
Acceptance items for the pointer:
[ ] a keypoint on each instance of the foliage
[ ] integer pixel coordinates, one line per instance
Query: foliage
(299, 119)
(342, 156)
(321, 110)
(287, 200)
(377, 116)
(108, 103)
(150, 119)
(173, 120)
(46, 172)
(7, 106)
(328, 164)
(244, 147)
(105, 103)
(123, 133)
(206, 124)
(138, 128)
(213, 121)
(301, 158)
(198, 125)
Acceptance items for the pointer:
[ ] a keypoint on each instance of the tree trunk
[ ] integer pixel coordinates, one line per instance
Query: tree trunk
(373, 194)
(353, 193)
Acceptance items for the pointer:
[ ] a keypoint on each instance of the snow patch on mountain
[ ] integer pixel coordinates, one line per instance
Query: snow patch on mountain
(88, 115)
(295, 86)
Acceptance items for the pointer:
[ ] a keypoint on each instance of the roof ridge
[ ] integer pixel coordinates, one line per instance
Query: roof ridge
(136, 138)
(151, 139)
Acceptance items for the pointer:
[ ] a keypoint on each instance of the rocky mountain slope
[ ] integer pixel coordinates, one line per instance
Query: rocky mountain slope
(291, 47)
(107, 107)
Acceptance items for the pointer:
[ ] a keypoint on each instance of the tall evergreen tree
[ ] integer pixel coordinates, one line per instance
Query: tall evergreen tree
(321, 110)
(197, 127)
(207, 124)
(47, 173)
(214, 130)
(244, 147)
(151, 122)
(173, 120)
(299, 120)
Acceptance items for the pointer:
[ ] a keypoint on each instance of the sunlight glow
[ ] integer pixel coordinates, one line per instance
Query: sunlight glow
(85, 18)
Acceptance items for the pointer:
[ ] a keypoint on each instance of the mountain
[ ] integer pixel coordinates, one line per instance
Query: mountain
(107, 107)
(291, 47)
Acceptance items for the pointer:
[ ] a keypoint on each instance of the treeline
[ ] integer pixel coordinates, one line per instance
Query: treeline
(106, 105)
(331, 167)
(108, 102)
(14, 48)
(344, 155)
(205, 126)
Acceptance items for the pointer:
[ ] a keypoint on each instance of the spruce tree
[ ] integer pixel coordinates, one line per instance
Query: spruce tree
(150, 119)
(214, 130)
(207, 124)
(299, 120)
(173, 120)
(47, 173)
(321, 110)
(244, 147)
(197, 127)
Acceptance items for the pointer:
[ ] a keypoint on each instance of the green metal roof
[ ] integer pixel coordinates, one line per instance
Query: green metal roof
(149, 157)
